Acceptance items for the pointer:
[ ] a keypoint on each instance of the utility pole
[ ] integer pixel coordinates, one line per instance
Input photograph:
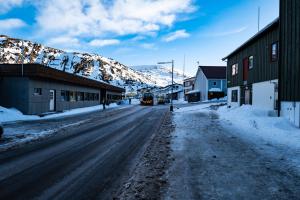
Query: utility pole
(258, 19)
(183, 65)
(171, 107)
(170, 62)
(22, 54)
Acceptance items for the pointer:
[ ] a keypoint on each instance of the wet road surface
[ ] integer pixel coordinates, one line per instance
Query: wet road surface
(86, 162)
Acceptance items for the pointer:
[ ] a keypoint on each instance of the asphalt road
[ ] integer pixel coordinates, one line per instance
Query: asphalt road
(86, 162)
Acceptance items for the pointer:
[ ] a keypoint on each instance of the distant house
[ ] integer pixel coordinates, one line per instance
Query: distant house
(40, 89)
(188, 85)
(210, 82)
(252, 70)
(167, 91)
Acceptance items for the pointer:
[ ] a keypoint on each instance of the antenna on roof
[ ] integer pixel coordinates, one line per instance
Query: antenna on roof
(183, 67)
(258, 18)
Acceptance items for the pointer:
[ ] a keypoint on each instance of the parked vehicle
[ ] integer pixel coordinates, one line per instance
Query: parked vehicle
(161, 100)
(147, 99)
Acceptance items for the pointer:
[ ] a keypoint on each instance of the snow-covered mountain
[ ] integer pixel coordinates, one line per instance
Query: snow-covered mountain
(92, 66)
(161, 74)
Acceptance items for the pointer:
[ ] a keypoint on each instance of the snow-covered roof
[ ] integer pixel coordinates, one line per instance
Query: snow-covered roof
(215, 90)
(193, 92)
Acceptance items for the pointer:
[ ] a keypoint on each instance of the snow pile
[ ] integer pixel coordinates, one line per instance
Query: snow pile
(7, 115)
(256, 122)
(215, 90)
(12, 114)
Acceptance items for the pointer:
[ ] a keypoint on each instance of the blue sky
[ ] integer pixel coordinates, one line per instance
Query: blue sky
(139, 32)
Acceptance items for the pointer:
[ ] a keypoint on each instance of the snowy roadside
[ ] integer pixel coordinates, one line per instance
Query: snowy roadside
(21, 135)
(20, 129)
(273, 135)
(237, 153)
(14, 115)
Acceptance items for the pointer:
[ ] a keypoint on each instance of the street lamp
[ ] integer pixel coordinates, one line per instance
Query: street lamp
(170, 62)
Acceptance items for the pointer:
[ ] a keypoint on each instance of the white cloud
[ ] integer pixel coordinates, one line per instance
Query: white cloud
(12, 23)
(102, 43)
(230, 32)
(148, 46)
(121, 17)
(64, 40)
(176, 35)
(6, 5)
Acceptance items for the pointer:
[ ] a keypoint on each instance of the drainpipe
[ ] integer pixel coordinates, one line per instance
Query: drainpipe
(279, 63)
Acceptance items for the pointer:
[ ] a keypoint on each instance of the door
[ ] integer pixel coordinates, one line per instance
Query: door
(247, 96)
(52, 100)
(245, 69)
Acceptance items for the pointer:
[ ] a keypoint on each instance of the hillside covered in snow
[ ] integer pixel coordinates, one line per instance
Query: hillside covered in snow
(92, 66)
(162, 74)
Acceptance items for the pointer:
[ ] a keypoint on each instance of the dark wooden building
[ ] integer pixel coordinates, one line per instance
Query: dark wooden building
(40, 89)
(289, 71)
(252, 70)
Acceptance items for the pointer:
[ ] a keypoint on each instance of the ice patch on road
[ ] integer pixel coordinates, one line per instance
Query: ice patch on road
(20, 135)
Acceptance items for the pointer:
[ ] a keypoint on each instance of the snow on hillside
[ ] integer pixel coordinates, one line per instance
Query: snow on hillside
(92, 66)
(162, 74)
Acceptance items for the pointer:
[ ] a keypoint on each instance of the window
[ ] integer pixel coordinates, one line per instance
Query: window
(250, 59)
(86, 96)
(63, 95)
(72, 96)
(37, 91)
(234, 96)
(234, 69)
(215, 83)
(274, 52)
(80, 96)
(186, 84)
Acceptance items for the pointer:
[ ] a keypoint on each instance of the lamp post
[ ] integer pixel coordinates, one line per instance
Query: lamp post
(170, 62)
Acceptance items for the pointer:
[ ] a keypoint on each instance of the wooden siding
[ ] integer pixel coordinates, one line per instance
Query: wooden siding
(290, 50)
(260, 48)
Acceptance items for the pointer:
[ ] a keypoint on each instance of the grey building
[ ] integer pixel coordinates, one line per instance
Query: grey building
(40, 89)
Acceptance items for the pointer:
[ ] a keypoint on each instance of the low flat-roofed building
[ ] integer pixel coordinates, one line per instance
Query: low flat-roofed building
(38, 89)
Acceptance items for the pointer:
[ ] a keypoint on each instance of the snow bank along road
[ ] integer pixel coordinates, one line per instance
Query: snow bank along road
(215, 161)
(88, 161)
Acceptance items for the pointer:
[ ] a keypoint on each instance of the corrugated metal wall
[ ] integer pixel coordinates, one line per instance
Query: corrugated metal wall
(290, 50)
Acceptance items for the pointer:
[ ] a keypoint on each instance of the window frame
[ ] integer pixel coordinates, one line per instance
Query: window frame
(250, 62)
(37, 92)
(274, 59)
(234, 69)
(234, 96)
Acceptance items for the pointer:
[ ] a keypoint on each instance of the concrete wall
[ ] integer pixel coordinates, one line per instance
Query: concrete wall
(229, 102)
(40, 103)
(263, 94)
(14, 93)
(201, 84)
(291, 111)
